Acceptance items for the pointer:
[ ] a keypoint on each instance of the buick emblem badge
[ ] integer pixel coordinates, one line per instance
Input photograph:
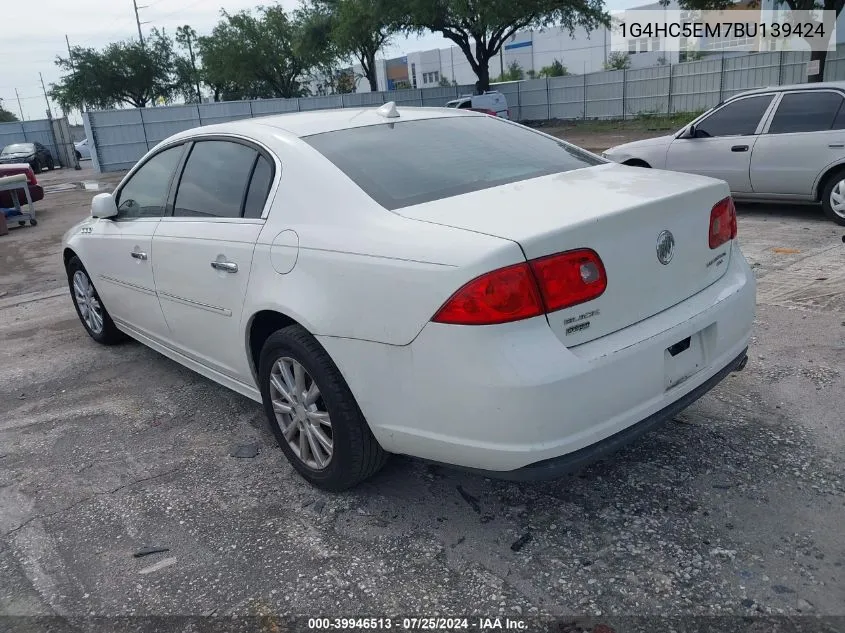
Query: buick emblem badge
(665, 247)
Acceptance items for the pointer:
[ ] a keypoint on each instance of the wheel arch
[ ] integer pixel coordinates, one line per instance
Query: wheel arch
(259, 328)
(67, 254)
(636, 162)
(827, 174)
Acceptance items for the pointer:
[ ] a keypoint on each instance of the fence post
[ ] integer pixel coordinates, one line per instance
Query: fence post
(199, 116)
(624, 91)
(669, 91)
(548, 101)
(342, 103)
(721, 78)
(585, 97)
(780, 68)
(251, 113)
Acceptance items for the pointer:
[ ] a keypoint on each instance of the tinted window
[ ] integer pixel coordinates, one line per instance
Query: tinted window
(409, 163)
(259, 186)
(214, 180)
(737, 118)
(839, 121)
(145, 194)
(805, 112)
(18, 148)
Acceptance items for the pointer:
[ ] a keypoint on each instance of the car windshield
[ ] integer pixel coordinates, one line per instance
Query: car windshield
(18, 148)
(408, 163)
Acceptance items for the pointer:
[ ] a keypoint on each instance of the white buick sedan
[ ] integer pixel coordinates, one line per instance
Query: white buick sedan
(432, 282)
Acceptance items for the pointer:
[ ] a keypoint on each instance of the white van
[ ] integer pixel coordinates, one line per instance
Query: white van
(491, 102)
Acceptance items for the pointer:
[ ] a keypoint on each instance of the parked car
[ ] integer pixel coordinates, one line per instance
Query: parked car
(782, 144)
(34, 154)
(520, 313)
(83, 152)
(491, 102)
(36, 191)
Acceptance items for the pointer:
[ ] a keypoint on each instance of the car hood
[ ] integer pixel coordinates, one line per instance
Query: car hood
(647, 142)
(8, 158)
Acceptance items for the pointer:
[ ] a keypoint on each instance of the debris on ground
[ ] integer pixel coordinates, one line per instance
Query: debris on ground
(245, 451)
(165, 562)
(473, 501)
(147, 551)
(519, 543)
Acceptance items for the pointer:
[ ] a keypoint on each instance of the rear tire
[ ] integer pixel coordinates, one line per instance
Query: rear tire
(36, 166)
(313, 413)
(90, 309)
(833, 198)
(51, 165)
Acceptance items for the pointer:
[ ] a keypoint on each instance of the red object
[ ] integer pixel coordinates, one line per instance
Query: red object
(570, 278)
(36, 191)
(483, 111)
(527, 290)
(722, 222)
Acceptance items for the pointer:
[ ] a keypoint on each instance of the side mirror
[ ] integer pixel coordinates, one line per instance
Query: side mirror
(103, 206)
(690, 132)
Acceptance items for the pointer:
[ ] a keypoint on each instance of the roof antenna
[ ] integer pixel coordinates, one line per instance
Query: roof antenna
(388, 110)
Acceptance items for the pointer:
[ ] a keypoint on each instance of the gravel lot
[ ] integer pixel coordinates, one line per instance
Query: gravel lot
(735, 508)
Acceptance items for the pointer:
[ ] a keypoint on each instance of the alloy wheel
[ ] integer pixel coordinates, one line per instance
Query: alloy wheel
(837, 198)
(87, 301)
(301, 413)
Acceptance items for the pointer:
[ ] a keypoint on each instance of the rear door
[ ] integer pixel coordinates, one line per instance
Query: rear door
(723, 143)
(203, 250)
(805, 135)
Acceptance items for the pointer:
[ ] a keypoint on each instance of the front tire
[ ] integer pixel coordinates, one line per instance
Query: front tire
(833, 198)
(93, 314)
(313, 413)
(36, 166)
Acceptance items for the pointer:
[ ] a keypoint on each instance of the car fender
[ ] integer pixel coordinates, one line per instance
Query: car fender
(824, 172)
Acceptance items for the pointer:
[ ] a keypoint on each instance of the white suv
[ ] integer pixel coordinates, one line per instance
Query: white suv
(782, 144)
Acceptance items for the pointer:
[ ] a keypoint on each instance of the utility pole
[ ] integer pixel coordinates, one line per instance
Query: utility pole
(70, 54)
(46, 100)
(138, 20)
(20, 107)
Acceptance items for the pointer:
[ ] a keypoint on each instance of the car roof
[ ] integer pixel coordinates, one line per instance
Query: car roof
(302, 124)
(839, 85)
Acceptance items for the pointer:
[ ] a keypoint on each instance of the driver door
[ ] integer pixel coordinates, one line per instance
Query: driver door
(121, 258)
(723, 142)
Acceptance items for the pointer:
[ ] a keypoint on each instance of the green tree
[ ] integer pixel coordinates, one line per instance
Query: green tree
(356, 29)
(444, 82)
(5, 115)
(513, 73)
(126, 72)
(187, 75)
(801, 11)
(257, 55)
(480, 27)
(617, 60)
(555, 69)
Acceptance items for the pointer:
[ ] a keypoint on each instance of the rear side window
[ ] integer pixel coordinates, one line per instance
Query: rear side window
(738, 118)
(805, 112)
(259, 187)
(413, 162)
(145, 194)
(214, 181)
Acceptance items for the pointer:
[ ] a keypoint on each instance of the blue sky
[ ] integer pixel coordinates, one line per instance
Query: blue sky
(35, 34)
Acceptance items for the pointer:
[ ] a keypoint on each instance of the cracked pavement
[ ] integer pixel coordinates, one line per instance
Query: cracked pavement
(734, 508)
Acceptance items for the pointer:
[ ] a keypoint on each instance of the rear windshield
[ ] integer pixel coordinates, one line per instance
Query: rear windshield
(403, 164)
(17, 148)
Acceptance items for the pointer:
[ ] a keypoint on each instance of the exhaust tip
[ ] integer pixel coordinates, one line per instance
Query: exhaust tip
(741, 365)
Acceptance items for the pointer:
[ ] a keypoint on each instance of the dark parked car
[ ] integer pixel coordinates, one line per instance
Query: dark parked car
(36, 191)
(35, 154)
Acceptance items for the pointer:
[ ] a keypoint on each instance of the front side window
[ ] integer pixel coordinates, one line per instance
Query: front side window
(738, 118)
(806, 112)
(145, 193)
(214, 181)
(414, 162)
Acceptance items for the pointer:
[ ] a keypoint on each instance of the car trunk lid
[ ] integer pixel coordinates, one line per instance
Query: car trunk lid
(625, 215)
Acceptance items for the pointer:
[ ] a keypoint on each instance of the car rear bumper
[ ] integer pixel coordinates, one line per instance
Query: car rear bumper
(512, 399)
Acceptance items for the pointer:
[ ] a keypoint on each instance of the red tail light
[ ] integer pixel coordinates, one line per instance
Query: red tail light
(570, 278)
(527, 290)
(722, 222)
(30, 177)
(501, 296)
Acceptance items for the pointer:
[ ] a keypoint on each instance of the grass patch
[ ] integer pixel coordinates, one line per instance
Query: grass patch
(640, 122)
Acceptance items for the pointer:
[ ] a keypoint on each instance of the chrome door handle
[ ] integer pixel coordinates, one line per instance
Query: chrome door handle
(836, 145)
(138, 255)
(226, 267)
(739, 148)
